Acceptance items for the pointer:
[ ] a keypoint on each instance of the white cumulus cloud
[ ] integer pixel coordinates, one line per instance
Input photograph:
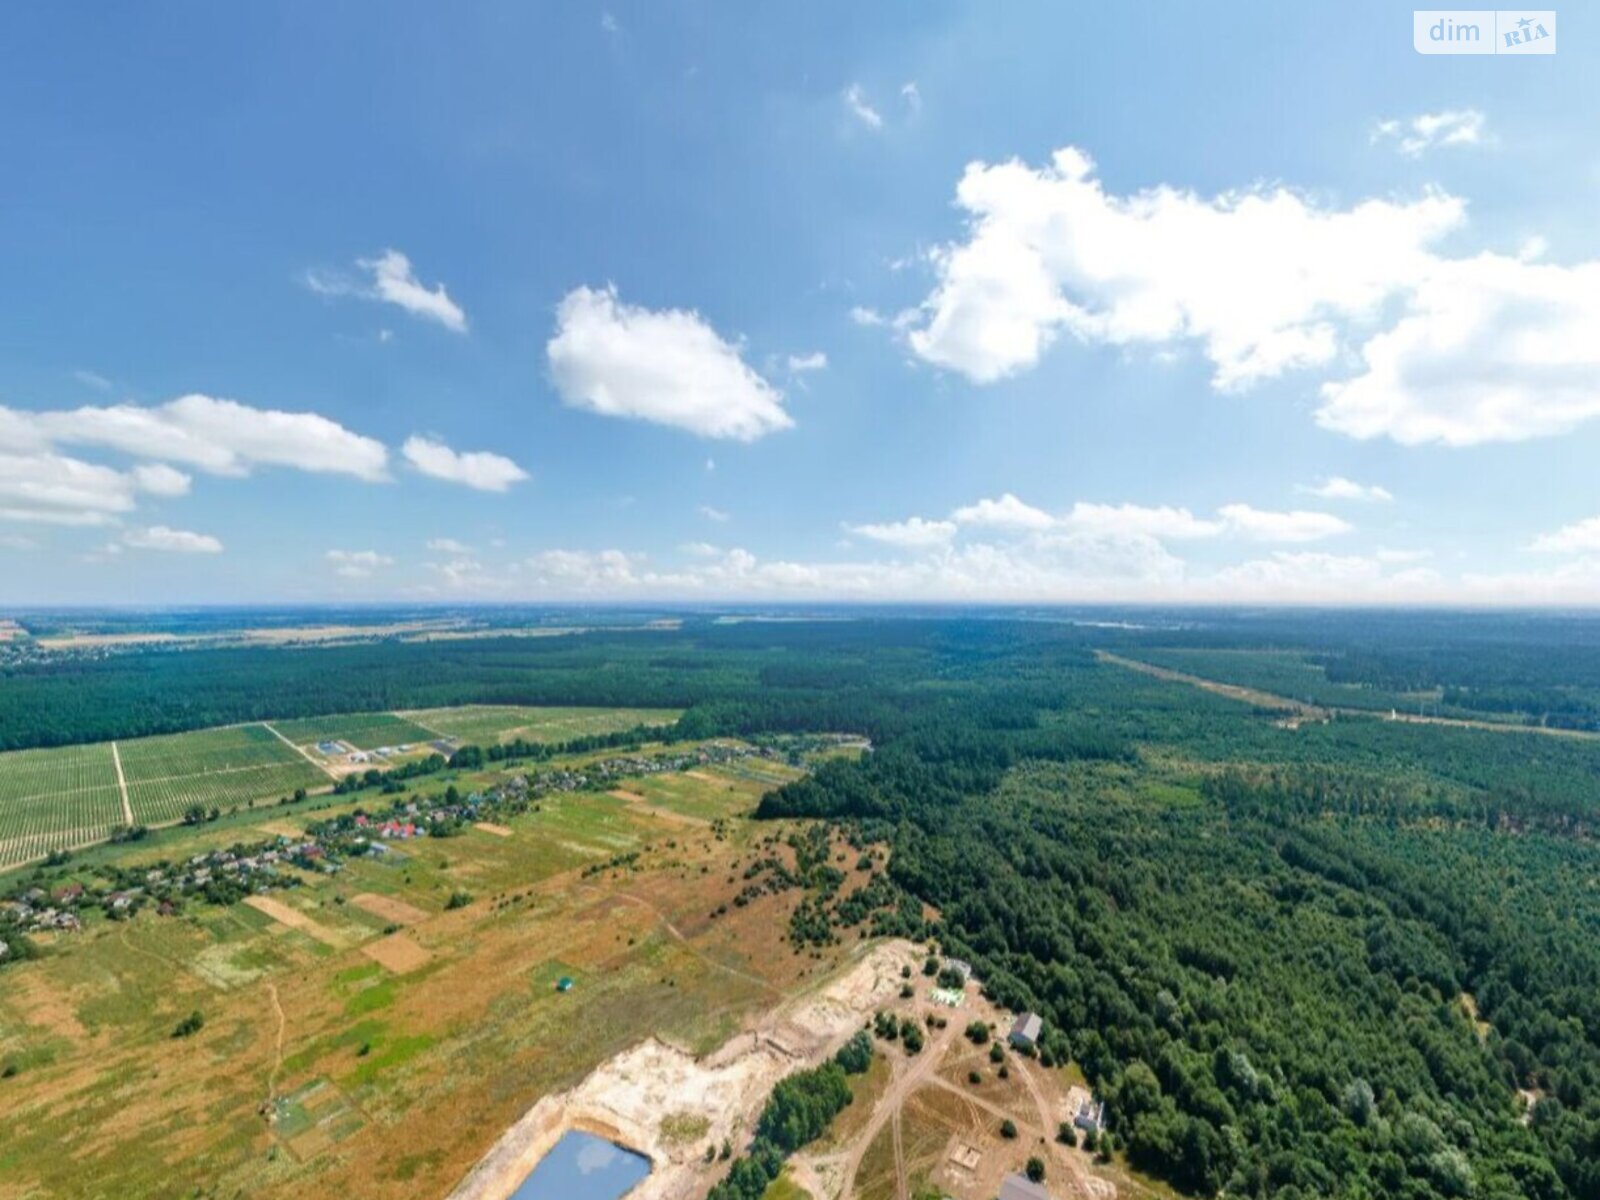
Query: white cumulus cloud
(1579, 537)
(1337, 487)
(161, 480)
(1296, 526)
(55, 489)
(1257, 278)
(223, 437)
(1489, 349)
(1423, 346)
(913, 532)
(1164, 522)
(175, 541)
(477, 469)
(667, 366)
(1005, 513)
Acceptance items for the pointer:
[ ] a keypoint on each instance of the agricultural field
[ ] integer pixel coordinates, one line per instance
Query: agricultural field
(484, 725)
(65, 797)
(365, 1034)
(211, 767)
(364, 731)
(704, 795)
(54, 799)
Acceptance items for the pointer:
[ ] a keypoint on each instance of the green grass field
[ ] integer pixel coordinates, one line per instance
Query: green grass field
(55, 798)
(213, 767)
(484, 725)
(364, 731)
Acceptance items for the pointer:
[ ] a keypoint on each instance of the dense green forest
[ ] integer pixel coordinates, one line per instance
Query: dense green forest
(1355, 959)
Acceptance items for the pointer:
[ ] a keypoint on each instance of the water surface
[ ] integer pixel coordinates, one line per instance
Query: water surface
(582, 1166)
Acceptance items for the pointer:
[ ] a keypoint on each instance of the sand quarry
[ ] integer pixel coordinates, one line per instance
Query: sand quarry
(626, 1098)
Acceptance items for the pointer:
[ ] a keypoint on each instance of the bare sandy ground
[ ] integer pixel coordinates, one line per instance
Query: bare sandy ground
(626, 1098)
(389, 908)
(398, 953)
(295, 919)
(491, 827)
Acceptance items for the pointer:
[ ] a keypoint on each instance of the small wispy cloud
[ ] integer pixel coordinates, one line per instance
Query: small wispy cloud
(92, 379)
(1337, 487)
(389, 279)
(800, 364)
(357, 564)
(176, 541)
(1417, 135)
(855, 99)
(714, 514)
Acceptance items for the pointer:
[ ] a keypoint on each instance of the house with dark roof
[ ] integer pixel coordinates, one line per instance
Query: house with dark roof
(1025, 1030)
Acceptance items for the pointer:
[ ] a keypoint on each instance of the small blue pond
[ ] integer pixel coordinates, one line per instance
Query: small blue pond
(583, 1167)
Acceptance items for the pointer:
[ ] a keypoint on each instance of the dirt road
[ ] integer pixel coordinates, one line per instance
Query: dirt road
(910, 1074)
(122, 787)
(301, 751)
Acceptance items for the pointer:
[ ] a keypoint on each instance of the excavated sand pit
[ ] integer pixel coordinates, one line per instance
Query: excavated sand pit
(624, 1099)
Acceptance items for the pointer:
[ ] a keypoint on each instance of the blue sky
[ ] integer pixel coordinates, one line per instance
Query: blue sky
(688, 301)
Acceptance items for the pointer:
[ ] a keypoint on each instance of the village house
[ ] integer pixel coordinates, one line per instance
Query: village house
(1025, 1031)
(1091, 1115)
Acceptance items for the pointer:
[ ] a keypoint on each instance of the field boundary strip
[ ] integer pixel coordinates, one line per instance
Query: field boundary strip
(122, 786)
